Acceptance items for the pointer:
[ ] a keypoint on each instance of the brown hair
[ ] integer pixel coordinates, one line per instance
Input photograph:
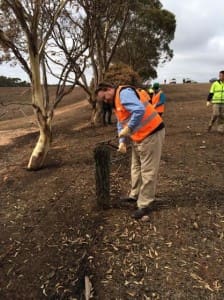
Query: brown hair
(103, 86)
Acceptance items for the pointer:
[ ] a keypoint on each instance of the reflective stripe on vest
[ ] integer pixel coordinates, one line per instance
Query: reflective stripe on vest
(150, 120)
(145, 121)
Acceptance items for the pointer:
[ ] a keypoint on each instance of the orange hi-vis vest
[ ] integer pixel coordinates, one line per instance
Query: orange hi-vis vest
(155, 99)
(150, 120)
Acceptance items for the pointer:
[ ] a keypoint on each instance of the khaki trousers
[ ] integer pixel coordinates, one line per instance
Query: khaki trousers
(218, 115)
(145, 166)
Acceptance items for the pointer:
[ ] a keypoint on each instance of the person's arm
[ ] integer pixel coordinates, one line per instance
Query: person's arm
(132, 103)
(122, 147)
(119, 128)
(211, 93)
(209, 98)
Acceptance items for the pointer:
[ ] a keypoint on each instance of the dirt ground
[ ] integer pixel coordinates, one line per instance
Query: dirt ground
(56, 244)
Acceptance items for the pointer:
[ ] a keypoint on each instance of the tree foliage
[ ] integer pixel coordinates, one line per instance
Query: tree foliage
(12, 82)
(136, 33)
(121, 74)
(146, 39)
(104, 23)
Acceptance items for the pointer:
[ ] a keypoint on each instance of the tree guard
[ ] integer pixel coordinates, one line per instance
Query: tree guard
(102, 164)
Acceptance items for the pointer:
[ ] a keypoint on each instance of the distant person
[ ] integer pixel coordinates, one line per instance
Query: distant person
(107, 113)
(158, 99)
(137, 120)
(151, 93)
(216, 99)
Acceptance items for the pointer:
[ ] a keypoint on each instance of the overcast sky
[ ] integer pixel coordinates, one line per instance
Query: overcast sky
(199, 40)
(198, 45)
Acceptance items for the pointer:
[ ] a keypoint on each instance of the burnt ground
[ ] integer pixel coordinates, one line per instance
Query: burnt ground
(53, 236)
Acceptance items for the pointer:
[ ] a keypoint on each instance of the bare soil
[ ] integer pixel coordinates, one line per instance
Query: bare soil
(53, 236)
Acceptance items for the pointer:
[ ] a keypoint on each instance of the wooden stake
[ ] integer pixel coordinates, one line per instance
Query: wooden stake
(102, 161)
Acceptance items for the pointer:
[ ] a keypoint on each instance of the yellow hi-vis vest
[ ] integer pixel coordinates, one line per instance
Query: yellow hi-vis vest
(217, 89)
(150, 120)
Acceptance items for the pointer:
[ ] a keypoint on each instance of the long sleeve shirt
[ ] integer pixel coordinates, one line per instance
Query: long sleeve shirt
(131, 102)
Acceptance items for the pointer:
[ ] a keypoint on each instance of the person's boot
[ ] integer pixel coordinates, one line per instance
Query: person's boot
(141, 212)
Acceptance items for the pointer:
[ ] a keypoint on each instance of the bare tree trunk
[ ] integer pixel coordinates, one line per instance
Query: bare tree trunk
(43, 144)
(102, 160)
(44, 118)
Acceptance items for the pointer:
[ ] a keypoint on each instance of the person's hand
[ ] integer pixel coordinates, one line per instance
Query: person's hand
(208, 103)
(122, 148)
(126, 131)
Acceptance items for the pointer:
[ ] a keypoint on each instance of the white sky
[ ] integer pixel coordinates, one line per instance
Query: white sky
(199, 40)
(198, 44)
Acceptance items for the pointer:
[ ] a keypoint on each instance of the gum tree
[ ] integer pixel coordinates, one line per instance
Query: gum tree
(103, 26)
(136, 33)
(147, 37)
(26, 36)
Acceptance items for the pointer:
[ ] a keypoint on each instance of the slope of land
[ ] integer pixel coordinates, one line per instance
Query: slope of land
(53, 236)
